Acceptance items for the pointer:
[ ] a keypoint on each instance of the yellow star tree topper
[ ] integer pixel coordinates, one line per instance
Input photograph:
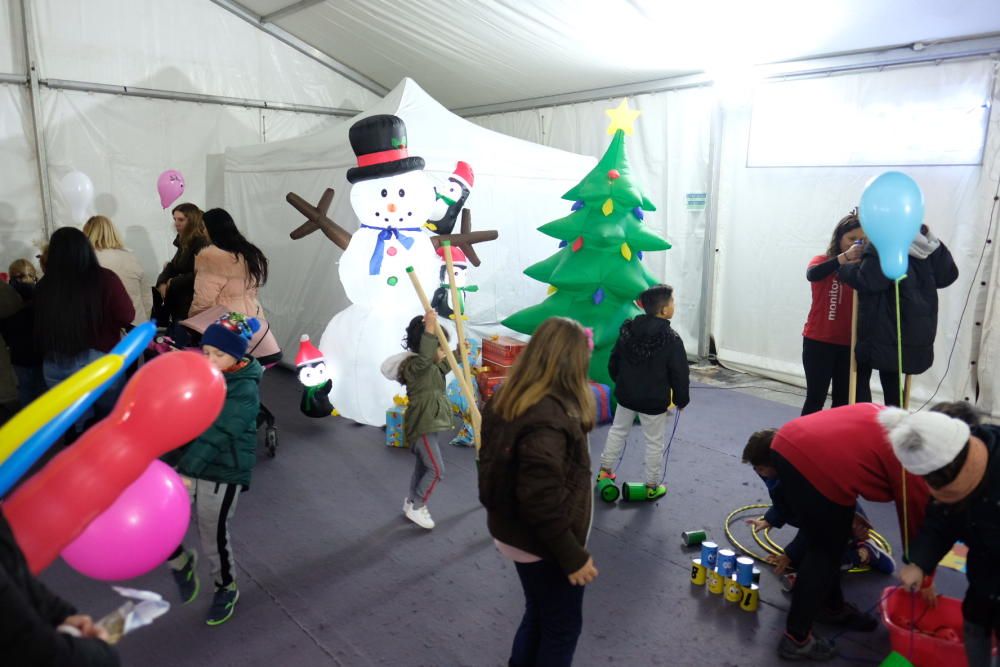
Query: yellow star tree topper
(622, 118)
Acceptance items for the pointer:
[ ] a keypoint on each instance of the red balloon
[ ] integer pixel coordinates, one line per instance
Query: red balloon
(169, 402)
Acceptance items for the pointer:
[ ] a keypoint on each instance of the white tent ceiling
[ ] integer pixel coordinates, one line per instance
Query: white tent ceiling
(469, 53)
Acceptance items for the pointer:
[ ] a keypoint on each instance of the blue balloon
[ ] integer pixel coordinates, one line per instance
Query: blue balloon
(892, 210)
(18, 463)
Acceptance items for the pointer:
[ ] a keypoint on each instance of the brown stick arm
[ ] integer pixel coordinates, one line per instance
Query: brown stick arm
(466, 238)
(318, 218)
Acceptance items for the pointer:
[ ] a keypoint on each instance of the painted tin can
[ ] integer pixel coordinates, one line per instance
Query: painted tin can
(744, 571)
(756, 576)
(633, 492)
(727, 562)
(709, 554)
(733, 591)
(692, 538)
(751, 598)
(715, 582)
(699, 572)
(609, 492)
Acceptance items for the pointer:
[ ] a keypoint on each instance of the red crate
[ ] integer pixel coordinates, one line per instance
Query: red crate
(502, 350)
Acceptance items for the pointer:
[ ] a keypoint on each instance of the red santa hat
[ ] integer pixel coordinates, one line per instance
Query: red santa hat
(458, 257)
(308, 354)
(463, 173)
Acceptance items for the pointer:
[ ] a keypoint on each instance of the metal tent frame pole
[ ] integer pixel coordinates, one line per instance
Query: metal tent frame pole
(41, 157)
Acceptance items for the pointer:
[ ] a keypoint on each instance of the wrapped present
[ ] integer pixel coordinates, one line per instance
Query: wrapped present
(502, 350)
(602, 400)
(488, 382)
(475, 351)
(394, 436)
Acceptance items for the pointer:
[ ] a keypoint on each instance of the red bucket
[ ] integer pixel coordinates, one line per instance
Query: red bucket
(935, 638)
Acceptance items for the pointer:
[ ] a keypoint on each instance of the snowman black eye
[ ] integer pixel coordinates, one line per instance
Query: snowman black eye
(385, 192)
(402, 192)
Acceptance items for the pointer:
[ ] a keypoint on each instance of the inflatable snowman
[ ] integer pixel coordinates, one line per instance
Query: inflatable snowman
(393, 199)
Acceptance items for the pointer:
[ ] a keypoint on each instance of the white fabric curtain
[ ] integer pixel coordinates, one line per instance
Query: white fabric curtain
(124, 143)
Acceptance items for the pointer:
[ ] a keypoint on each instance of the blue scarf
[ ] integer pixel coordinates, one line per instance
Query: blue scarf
(385, 234)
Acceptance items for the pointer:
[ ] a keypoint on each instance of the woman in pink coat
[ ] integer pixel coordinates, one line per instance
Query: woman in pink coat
(228, 274)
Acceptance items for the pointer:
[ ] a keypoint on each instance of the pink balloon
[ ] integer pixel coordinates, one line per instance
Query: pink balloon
(138, 532)
(170, 185)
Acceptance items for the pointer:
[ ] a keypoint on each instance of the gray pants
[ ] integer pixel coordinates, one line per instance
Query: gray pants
(214, 507)
(978, 645)
(654, 431)
(428, 469)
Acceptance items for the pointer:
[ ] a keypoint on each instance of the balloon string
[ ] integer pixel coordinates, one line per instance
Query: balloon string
(899, 371)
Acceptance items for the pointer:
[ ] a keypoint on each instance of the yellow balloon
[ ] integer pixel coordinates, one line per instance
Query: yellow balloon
(50, 404)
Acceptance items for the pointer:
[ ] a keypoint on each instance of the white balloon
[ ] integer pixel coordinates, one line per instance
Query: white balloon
(78, 191)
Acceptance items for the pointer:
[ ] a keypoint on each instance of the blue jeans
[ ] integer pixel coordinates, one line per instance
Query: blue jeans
(553, 617)
(57, 368)
(30, 384)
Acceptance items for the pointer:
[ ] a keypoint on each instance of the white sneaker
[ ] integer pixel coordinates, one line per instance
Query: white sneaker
(420, 516)
(407, 505)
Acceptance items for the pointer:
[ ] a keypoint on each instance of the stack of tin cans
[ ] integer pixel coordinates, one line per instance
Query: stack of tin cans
(724, 574)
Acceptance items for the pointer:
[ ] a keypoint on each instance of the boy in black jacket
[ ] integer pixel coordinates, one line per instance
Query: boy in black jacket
(647, 363)
(962, 469)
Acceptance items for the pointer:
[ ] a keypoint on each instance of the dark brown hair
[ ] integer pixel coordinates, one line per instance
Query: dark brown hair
(847, 224)
(655, 298)
(758, 449)
(960, 410)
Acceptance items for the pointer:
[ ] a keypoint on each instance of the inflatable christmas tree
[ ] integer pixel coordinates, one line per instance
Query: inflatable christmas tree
(597, 273)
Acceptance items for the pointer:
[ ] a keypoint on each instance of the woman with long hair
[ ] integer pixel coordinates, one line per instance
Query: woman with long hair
(80, 310)
(111, 254)
(175, 284)
(534, 480)
(230, 270)
(826, 337)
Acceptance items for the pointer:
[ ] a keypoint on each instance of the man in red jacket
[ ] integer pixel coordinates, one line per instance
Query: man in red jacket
(825, 462)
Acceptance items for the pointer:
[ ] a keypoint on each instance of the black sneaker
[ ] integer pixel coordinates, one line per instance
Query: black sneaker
(187, 578)
(849, 617)
(813, 648)
(223, 604)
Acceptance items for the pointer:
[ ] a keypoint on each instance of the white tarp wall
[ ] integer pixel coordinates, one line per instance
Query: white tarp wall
(517, 187)
(669, 155)
(123, 143)
(773, 219)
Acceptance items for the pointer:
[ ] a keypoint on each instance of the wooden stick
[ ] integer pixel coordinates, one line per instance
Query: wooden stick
(906, 392)
(477, 418)
(458, 310)
(852, 387)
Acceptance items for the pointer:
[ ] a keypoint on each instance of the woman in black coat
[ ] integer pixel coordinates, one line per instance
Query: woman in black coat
(931, 267)
(175, 284)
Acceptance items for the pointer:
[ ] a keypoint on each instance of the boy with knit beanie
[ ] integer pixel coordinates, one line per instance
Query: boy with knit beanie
(962, 468)
(217, 466)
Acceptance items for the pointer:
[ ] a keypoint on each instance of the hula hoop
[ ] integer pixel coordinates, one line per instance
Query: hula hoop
(773, 548)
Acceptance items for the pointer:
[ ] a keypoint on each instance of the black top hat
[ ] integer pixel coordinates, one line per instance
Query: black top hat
(380, 144)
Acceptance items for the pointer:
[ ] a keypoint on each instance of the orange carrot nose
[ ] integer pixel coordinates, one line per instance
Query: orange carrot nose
(392, 208)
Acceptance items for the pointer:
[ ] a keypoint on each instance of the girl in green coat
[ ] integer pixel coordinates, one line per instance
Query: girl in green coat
(427, 413)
